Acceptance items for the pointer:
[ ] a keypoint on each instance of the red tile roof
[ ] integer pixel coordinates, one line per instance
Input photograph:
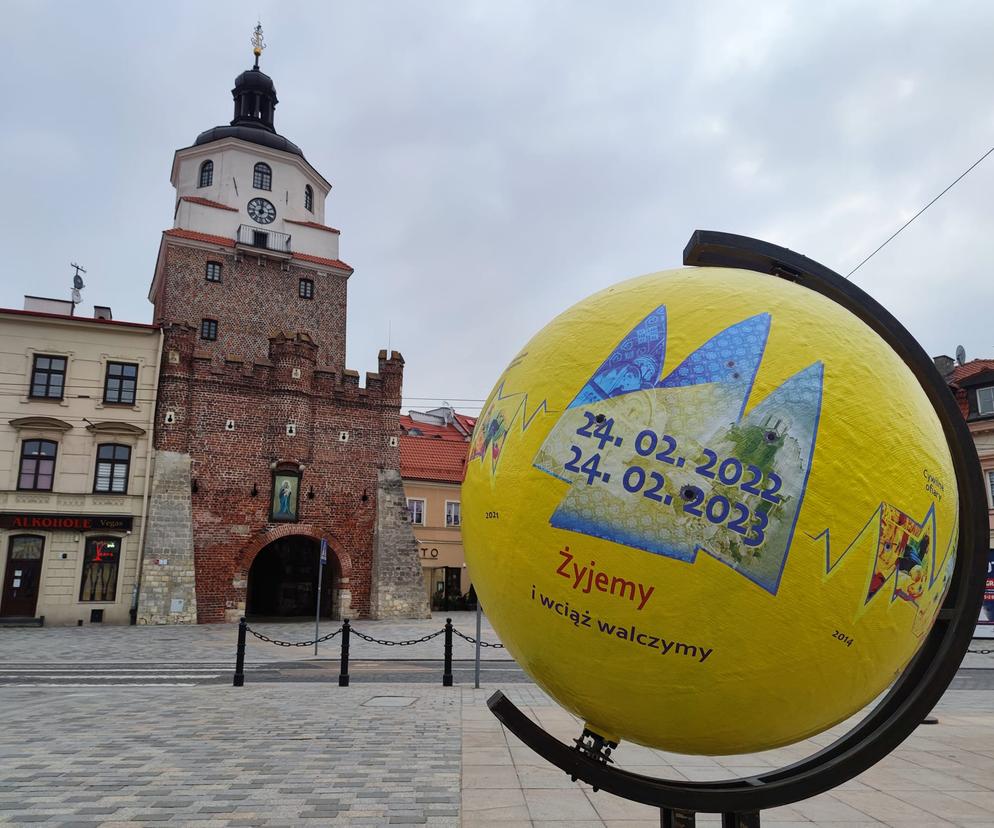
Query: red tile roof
(429, 458)
(468, 423)
(974, 366)
(206, 202)
(315, 225)
(305, 257)
(195, 236)
(964, 372)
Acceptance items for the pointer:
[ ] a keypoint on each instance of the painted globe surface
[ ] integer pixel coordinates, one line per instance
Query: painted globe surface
(710, 511)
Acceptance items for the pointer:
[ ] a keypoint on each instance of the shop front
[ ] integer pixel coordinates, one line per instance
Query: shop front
(446, 582)
(67, 568)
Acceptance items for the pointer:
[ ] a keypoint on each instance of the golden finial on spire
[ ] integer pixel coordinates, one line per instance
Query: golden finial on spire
(258, 44)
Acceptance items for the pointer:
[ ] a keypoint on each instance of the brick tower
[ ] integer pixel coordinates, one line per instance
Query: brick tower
(265, 442)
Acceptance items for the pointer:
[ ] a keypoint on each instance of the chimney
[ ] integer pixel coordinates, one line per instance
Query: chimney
(102, 312)
(945, 364)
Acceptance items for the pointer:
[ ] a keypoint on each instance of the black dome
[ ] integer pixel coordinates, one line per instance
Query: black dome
(255, 104)
(254, 79)
(252, 134)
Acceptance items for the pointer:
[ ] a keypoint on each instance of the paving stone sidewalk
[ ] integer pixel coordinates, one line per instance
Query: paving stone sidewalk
(391, 754)
(215, 643)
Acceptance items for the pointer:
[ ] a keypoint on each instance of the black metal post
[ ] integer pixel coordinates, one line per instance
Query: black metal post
(447, 670)
(670, 818)
(239, 680)
(343, 675)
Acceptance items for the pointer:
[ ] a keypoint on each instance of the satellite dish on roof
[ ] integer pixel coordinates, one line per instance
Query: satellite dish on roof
(960, 354)
(76, 296)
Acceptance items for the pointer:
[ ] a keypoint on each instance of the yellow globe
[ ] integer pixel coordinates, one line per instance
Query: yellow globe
(710, 511)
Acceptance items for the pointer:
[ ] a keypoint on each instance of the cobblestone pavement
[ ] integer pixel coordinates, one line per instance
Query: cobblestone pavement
(386, 754)
(220, 756)
(215, 643)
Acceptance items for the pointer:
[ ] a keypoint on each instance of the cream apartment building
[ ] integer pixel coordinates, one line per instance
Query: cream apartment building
(433, 451)
(78, 401)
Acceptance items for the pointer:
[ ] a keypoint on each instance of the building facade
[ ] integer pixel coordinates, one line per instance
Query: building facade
(972, 383)
(433, 450)
(75, 441)
(266, 444)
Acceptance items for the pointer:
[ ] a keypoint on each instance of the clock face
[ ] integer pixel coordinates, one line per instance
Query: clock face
(261, 211)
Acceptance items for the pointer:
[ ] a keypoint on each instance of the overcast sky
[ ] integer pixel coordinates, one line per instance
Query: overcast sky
(493, 163)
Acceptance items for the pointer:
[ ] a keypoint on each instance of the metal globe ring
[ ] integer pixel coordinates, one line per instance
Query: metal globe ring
(924, 680)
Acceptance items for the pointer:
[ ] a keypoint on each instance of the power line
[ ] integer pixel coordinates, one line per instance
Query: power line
(923, 209)
(447, 399)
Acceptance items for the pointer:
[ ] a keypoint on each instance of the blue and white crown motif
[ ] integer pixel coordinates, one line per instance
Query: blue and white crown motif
(674, 465)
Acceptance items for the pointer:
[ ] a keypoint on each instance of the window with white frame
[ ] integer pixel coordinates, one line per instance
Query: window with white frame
(985, 400)
(451, 512)
(990, 487)
(416, 509)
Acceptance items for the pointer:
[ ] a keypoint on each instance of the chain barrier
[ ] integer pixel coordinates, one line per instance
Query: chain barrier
(346, 631)
(386, 643)
(279, 643)
(472, 640)
(981, 652)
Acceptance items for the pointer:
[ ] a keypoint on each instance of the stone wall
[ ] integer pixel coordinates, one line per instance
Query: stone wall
(397, 584)
(168, 593)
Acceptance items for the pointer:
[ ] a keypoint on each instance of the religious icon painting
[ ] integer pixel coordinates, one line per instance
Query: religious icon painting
(286, 495)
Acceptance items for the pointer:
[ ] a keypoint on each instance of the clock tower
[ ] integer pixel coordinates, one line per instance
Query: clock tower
(266, 444)
(248, 200)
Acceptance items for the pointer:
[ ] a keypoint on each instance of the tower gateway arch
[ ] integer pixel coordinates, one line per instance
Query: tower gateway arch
(265, 442)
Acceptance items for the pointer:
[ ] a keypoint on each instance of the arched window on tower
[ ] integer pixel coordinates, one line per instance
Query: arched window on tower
(309, 198)
(262, 177)
(206, 174)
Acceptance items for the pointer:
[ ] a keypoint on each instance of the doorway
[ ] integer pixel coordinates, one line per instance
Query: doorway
(23, 576)
(283, 580)
(445, 588)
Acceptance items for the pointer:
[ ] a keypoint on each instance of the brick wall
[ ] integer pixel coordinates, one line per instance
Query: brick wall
(202, 392)
(278, 360)
(257, 298)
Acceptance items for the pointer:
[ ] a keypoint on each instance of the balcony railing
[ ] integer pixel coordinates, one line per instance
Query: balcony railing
(264, 239)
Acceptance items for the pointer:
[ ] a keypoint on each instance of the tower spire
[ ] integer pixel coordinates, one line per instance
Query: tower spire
(258, 43)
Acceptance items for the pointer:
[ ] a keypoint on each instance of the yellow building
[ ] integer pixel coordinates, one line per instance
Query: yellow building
(75, 430)
(432, 461)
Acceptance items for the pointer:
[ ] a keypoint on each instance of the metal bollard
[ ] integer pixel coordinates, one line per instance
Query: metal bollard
(239, 680)
(447, 670)
(343, 675)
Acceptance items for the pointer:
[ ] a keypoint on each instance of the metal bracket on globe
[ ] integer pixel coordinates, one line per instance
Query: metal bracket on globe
(919, 687)
(594, 747)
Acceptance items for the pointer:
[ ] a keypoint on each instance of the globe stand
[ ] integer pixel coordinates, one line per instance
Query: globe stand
(916, 691)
